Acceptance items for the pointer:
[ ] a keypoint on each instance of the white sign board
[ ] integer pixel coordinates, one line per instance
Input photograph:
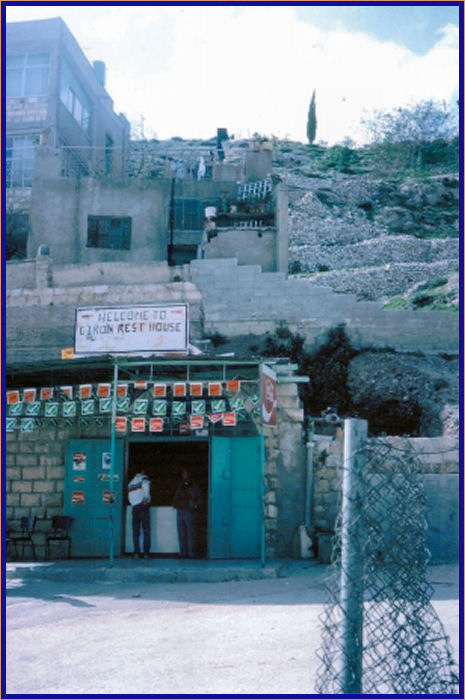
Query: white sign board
(132, 329)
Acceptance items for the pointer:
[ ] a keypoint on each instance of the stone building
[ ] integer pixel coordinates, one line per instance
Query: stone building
(54, 97)
(173, 217)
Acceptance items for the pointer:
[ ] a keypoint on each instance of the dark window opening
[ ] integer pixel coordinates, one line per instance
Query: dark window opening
(183, 254)
(109, 232)
(108, 154)
(16, 233)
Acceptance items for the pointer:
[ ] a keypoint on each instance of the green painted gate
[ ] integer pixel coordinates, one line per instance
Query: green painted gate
(87, 496)
(235, 513)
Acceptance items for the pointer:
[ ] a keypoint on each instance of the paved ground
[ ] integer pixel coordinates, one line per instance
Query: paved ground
(123, 635)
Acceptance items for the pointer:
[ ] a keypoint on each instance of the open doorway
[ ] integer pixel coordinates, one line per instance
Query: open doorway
(163, 462)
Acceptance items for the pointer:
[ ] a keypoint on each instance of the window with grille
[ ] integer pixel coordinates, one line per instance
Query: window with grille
(189, 214)
(27, 74)
(19, 160)
(109, 232)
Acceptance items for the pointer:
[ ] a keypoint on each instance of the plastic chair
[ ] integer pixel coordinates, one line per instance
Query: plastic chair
(23, 537)
(61, 524)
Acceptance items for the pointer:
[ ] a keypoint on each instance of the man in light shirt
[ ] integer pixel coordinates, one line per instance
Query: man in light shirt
(139, 498)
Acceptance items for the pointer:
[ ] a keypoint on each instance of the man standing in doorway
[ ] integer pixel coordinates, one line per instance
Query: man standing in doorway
(139, 498)
(187, 500)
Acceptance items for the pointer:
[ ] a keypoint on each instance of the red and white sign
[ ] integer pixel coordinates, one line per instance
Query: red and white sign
(122, 390)
(215, 417)
(121, 424)
(196, 388)
(138, 425)
(156, 425)
(159, 390)
(46, 393)
(67, 391)
(179, 389)
(140, 384)
(234, 385)
(78, 498)
(104, 391)
(269, 412)
(29, 395)
(215, 388)
(12, 397)
(85, 391)
(229, 419)
(196, 422)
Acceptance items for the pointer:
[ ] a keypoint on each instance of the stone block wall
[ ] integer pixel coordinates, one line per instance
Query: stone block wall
(26, 110)
(285, 457)
(440, 459)
(17, 200)
(35, 472)
(40, 321)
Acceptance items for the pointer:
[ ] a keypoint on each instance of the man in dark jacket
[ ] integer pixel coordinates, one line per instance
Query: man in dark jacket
(187, 500)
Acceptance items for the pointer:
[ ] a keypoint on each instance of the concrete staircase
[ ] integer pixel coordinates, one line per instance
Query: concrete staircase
(241, 299)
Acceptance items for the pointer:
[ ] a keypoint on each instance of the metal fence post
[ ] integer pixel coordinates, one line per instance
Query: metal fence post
(112, 469)
(355, 433)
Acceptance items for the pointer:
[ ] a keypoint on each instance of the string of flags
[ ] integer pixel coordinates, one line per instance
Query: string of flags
(140, 405)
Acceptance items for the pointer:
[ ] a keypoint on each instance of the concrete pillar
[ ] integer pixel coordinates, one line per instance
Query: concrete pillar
(43, 268)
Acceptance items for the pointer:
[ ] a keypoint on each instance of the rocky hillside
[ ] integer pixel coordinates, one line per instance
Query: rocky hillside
(390, 236)
(359, 222)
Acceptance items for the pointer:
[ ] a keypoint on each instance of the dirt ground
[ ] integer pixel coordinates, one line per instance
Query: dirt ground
(238, 637)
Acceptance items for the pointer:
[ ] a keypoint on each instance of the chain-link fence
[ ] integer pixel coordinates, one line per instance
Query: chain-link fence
(381, 634)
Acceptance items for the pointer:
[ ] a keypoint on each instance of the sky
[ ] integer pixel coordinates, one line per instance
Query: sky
(187, 70)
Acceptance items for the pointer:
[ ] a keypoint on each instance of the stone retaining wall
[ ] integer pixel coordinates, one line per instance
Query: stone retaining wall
(375, 252)
(375, 283)
(41, 322)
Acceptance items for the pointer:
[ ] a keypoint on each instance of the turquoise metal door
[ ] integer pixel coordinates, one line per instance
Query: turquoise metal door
(235, 513)
(88, 495)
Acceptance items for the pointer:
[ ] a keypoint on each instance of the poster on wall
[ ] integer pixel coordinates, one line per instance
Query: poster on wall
(106, 460)
(156, 425)
(121, 424)
(132, 329)
(79, 461)
(78, 498)
(269, 412)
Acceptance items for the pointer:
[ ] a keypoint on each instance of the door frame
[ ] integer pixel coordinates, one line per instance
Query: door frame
(158, 439)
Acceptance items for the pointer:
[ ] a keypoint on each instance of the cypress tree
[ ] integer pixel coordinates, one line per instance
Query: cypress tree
(311, 120)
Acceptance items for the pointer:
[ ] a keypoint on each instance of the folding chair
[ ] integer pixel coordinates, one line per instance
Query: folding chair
(61, 524)
(23, 536)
